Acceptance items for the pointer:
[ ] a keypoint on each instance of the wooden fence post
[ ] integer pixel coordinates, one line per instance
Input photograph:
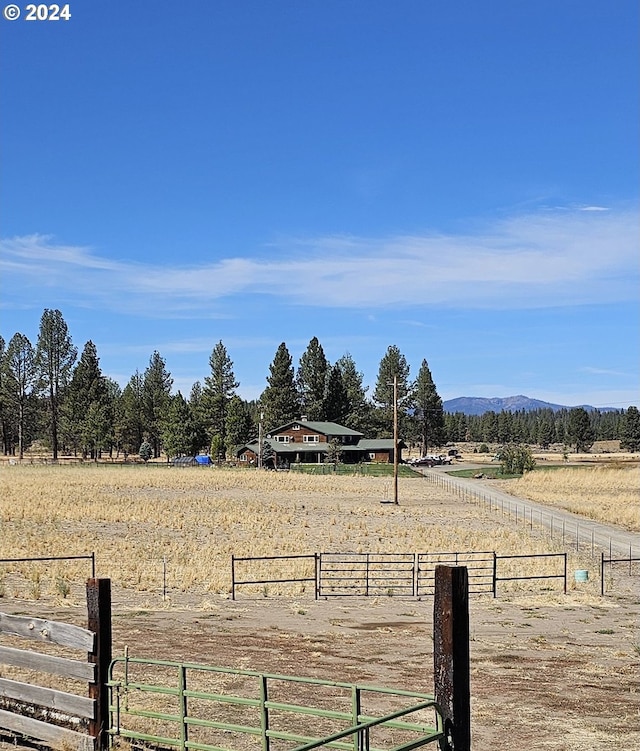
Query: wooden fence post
(99, 621)
(451, 655)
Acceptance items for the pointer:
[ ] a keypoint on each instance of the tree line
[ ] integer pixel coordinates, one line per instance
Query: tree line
(62, 401)
(574, 427)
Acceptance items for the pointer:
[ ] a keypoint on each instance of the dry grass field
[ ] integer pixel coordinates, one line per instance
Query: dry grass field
(603, 493)
(195, 519)
(549, 671)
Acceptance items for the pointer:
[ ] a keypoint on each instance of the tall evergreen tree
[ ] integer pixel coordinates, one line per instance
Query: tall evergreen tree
(505, 426)
(429, 411)
(579, 430)
(545, 433)
(312, 380)
(180, 435)
(490, 432)
(359, 415)
(241, 427)
(219, 389)
(335, 405)
(132, 425)
(156, 389)
(393, 364)
(114, 405)
(195, 401)
(21, 378)
(457, 426)
(630, 431)
(280, 399)
(86, 407)
(55, 355)
(197, 406)
(4, 406)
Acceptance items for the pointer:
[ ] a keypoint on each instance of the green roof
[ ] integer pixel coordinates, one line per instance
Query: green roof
(326, 428)
(379, 444)
(364, 444)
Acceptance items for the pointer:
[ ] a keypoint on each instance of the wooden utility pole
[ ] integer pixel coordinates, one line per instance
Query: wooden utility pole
(451, 655)
(395, 439)
(259, 465)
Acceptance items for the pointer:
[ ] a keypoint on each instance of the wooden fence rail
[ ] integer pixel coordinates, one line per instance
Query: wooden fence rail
(46, 714)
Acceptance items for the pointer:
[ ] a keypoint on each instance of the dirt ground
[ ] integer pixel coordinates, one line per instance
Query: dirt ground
(548, 671)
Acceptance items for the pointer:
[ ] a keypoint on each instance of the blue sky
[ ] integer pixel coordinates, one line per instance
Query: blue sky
(457, 178)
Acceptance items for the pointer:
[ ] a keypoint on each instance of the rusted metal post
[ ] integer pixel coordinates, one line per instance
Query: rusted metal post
(233, 577)
(99, 621)
(451, 655)
(495, 575)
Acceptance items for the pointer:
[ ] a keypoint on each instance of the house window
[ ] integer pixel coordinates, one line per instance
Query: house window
(283, 438)
(310, 438)
(295, 427)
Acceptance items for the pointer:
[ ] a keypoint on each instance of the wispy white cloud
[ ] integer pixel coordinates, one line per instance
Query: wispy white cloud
(604, 371)
(528, 261)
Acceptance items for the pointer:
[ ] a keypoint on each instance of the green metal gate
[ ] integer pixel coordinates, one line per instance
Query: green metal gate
(165, 704)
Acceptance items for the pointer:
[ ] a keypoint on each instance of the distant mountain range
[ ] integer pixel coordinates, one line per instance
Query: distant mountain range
(477, 405)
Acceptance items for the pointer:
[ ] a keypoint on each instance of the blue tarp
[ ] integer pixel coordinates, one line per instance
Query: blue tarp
(203, 459)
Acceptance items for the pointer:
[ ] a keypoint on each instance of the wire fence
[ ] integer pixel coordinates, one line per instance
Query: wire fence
(572, 534)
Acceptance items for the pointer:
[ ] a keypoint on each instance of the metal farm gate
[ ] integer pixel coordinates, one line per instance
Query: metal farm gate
(398, 574)
(366, 574)
(481, 567)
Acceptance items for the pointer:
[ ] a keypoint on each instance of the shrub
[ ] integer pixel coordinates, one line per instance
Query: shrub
(146, 451)
(516, 459)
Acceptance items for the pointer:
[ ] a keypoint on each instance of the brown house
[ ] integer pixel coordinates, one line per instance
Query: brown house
(307, 442)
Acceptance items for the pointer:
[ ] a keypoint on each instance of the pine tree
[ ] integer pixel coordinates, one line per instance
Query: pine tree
(312, 379)
(335, 405)
(241, 427)
(131, 409)
(630, 431)
(195, 400)
(280, 399)
(86, 409)
(429, 411)
(179, 429)
(21, 375)
(505, 426)
(114, 407)
(156, 392)
(55, 357)
(490, 427)
(146, 451)
(359, 414)
(196, 404)
(4, 406)
(393, 364)
(219, 389)
(579, 430)
(545, 433)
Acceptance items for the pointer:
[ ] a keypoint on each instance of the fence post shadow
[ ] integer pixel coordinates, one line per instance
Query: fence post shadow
(451, 655)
